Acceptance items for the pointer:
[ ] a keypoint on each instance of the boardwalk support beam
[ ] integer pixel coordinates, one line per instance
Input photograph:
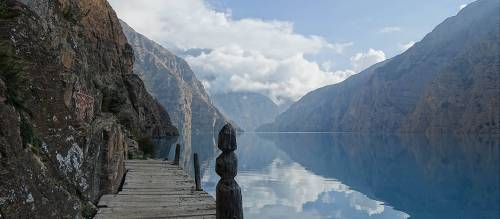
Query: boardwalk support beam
(197, 179)
(177, 154)
(228, 192)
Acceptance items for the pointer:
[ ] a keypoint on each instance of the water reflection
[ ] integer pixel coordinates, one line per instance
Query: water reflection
(359, 176)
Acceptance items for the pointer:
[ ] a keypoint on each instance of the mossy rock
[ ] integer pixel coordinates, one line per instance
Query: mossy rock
(7, 12)
(88, 209)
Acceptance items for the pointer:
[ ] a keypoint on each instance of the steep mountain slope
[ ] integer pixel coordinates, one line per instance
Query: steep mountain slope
(249, 110)
(172, 82)
(68, 103)
(448, 82)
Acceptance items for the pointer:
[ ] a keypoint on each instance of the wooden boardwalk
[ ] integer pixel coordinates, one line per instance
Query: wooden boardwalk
(156, 189)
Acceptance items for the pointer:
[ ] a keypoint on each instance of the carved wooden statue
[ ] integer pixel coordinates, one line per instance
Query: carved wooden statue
(228, 197)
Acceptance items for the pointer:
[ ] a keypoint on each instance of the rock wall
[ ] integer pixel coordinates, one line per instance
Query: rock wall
(68, 103)
(171, 81)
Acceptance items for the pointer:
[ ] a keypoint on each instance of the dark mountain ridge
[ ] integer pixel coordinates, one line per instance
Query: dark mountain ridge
(448, 82)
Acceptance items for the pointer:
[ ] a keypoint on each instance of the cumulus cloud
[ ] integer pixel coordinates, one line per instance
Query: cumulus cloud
(187, 24)
(265, 56)
(361, 61)
(391, 29)
(231, 68)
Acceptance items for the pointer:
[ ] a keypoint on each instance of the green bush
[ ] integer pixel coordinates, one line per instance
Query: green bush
(6, 12)
(147, 146)
(26, 131)
(70, 16)
(88, 209)
(11, 70)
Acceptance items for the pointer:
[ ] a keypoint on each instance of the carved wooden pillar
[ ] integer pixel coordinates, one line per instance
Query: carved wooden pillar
(228, 193)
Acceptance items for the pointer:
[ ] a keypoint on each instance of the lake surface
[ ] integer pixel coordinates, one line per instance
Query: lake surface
(335, 175)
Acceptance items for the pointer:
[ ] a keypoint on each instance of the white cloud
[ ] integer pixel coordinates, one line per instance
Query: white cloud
(405, 46)
(231, 68)
(265, 56)
(361, 61)
(391, 29)
(282, 185)
(186, 24)
(463, 6)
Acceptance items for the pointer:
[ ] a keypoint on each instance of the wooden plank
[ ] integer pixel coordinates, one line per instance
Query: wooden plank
(148, 161)
(145, 186)
(107, 216)
(157, 172)
(123, 197)
(151, 164)
(164, 203)
(158, 184)
(149, 192)
(187, 188)
(164, 212)
(160, 181)
(156, 189)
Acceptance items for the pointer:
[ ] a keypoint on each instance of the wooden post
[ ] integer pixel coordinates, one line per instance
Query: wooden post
(177, 154)
(197, 172)
(228, 194)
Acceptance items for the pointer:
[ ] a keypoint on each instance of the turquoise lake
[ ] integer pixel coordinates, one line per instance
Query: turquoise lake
(339, 175)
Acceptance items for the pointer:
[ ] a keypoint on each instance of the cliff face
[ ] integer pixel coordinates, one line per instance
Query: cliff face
(448, 82)
(68, 103)
(248, 110)
(172, 82)
(465, 95)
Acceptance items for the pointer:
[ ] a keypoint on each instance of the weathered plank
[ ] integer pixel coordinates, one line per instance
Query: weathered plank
(156, 189)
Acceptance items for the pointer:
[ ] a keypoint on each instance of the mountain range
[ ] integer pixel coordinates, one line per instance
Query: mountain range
(247, 109)
(449, 82)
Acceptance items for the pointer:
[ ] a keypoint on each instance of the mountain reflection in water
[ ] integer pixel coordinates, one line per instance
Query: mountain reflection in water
(338, 175)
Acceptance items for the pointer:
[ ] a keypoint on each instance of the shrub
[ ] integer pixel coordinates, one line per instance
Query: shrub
(5, 11)
(88, 209)
(11, 71)
(147, 146)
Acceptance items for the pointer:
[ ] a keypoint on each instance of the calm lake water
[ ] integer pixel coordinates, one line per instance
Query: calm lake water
(332, 175)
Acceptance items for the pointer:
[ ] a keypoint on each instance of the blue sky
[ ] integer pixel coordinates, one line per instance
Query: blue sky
(357, 21)
(283, 48)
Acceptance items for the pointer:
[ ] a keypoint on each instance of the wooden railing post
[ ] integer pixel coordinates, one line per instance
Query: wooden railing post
(228, 194)
(197, 172)
(177, 154)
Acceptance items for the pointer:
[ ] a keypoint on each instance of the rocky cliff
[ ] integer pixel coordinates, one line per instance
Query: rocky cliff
(172, 82)
(68, 103)
(249, 110)
(448, 82)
